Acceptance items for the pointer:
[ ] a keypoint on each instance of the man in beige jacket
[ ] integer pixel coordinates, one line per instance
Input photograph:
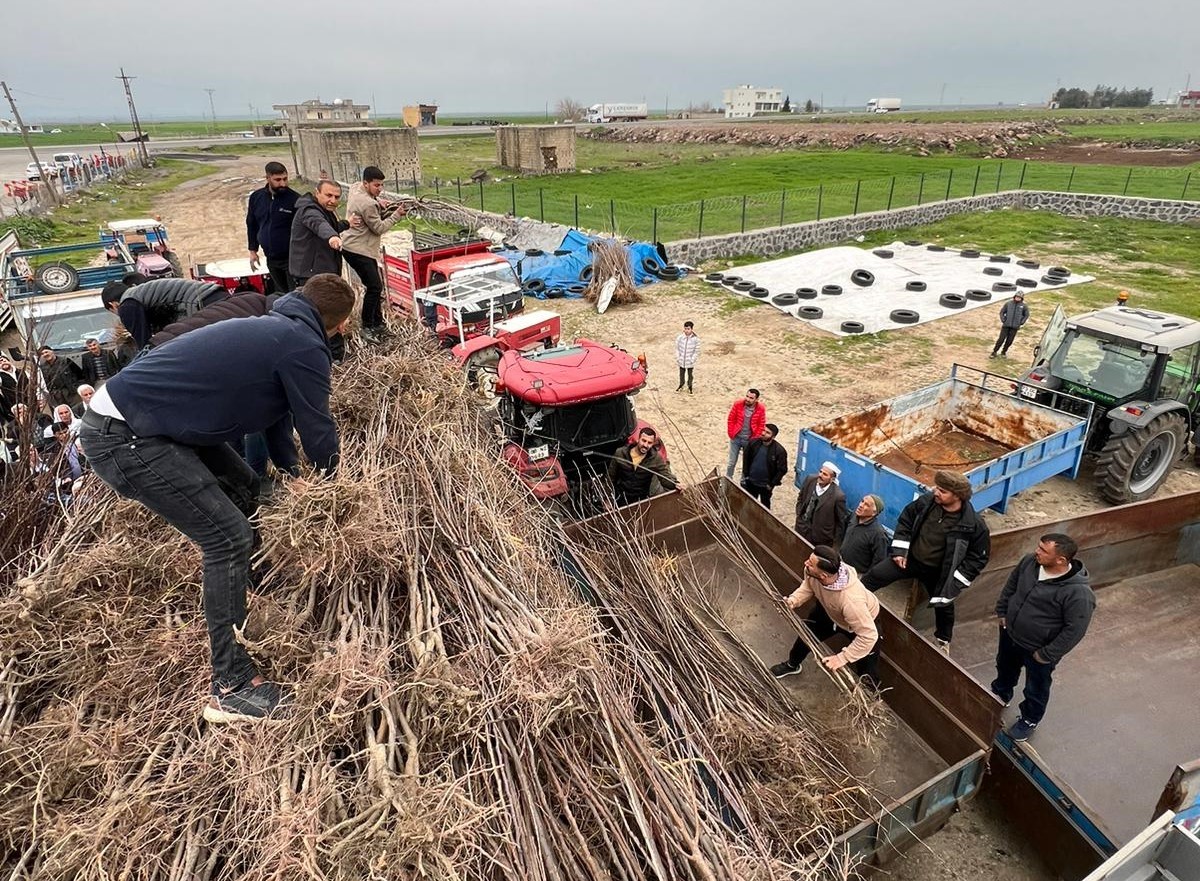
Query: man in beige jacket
(360, 246)
(842, 604)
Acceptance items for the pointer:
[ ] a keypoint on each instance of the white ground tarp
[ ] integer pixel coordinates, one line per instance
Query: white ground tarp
(942, 271)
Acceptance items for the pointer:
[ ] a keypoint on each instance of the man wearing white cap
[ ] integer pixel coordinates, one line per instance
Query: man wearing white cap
(821, 508)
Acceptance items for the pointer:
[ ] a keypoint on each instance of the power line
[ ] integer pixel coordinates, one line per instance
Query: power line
(143, 153)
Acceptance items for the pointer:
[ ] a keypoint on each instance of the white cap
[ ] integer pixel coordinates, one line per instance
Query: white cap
(836, 470)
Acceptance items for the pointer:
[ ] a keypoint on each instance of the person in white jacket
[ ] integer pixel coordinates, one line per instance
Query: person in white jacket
(687, 353)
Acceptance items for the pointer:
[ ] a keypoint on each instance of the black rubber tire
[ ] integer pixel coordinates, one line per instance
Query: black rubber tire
(1026, 283)
(576, 289)
(905, 316)
(652, 266)
(1059, 270)
(56, 278)
(1132, 466)
(1000, 258)
(979, 296)
(669, 273)
(714, 278)
(853, 327)
(831, 290)
(534, 252)
(810, 313)
(535, 284)
(937, 249)
(883, 252)
(915, 286)
(730, 280)
(969, 252)
(744, 286)
(554, 293)
(1053, 279)
(952, 301)
(863, 278)
(585, 274)
(1004, 287)
(176, 266)
(806, 293)
(1029, 264)
(913, 243)
(784, 299)
(993, 270)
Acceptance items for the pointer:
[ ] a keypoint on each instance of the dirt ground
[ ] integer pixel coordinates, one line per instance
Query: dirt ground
(804, 378)
(1101, 153)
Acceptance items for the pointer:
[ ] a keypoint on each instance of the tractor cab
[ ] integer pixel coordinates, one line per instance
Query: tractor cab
(467, 295)
(564, 412)
(1141, 370)
(146, 239)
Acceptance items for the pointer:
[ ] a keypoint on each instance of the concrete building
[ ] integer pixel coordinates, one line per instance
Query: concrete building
(342, 153)
(1189, 100)
(536, 149)
(746, 101)
(418, 115)
(342, 111)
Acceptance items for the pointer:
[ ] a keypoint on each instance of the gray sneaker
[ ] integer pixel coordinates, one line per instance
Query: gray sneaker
(250, 703)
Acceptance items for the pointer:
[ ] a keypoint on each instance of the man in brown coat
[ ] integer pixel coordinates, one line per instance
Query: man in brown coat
(821, 513)
(360, 246)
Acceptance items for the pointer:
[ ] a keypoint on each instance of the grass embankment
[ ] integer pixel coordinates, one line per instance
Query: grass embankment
(88, 209)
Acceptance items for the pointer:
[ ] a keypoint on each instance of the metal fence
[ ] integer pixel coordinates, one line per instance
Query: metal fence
(730, 214)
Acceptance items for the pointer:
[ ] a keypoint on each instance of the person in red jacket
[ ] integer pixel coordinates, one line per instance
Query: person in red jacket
(747, 418)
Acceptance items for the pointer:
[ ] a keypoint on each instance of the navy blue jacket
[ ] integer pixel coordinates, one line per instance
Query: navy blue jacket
(236, 377)
(269, 221)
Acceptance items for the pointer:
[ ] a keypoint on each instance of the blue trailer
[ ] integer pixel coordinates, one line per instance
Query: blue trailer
(975, 423)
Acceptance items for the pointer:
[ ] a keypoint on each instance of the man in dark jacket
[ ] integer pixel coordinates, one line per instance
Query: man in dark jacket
(99, 364)
(821, 508)
(764, 465)
(1013, 314)
(1043, 613)
(865, 542)
(145, 309)
(269, 214)
(634, 469)
(61, 376)
(941, 543)
(159, 432)
(315, 244)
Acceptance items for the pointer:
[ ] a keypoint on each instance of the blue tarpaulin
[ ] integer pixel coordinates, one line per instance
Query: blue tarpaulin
(561, 272)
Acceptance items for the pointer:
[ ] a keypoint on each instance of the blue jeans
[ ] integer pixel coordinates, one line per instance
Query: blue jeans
(1011, 659)
(204, 492)
(736, 445)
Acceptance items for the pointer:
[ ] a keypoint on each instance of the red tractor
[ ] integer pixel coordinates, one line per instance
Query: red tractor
(564, 412)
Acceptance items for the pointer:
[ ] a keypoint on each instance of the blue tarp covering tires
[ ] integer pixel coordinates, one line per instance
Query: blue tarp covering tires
(567, 268)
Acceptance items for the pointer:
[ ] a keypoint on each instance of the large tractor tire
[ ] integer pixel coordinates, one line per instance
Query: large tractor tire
(176, 267)
(1132, 466)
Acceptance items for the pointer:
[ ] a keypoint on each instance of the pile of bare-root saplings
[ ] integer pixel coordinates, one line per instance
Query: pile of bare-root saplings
(460, 711)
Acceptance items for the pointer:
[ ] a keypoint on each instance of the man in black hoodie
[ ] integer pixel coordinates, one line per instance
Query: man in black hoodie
(1043, 613)
(269, 214)
(315, 245)
(159, 432)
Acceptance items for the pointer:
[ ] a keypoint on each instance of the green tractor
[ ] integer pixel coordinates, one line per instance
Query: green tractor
(1137, 372)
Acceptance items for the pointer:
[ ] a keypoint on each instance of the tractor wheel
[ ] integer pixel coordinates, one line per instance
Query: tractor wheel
(56, 278)
(176, 266)
(1132, 466)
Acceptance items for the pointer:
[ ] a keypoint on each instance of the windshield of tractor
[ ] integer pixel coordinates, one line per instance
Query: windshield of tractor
(467, 281)
(1114, 370)
(580, 427)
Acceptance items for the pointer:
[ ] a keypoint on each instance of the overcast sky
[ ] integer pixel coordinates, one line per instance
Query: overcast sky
(477, 56)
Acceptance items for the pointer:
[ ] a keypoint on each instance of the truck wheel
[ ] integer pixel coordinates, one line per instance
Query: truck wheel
(176, 266)
(1132, 466)
(56, 278)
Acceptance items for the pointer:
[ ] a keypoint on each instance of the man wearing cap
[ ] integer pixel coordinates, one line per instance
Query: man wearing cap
(941, 543)
(842, 604)
(1013, 314)
(865, 542)
(764, 465)
(821, 507)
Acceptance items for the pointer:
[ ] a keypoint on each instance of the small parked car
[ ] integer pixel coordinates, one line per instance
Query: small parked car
(32, 172)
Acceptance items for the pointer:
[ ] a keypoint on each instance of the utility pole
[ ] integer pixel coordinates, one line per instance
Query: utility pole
(212, 110)
(42, 174)
(143, 153)
(942, 96)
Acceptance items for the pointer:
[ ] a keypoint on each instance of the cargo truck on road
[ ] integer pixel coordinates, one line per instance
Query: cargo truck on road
(602, 113)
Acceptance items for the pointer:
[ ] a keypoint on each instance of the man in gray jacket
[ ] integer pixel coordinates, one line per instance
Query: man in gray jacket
(1043, 612)
(1013, 314)
(316, 242)
(360, 246)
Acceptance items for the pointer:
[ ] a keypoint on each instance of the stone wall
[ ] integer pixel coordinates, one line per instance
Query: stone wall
(799, 236)
(536, 149)
(343, 153)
